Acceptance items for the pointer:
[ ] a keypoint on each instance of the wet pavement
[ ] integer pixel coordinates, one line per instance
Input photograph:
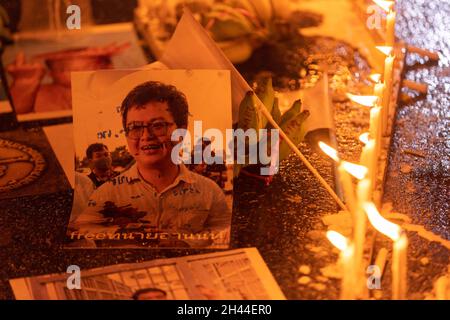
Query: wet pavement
(278, 219)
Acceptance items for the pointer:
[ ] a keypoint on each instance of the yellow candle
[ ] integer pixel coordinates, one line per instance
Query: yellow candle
(375, 129)
(399, 268)
(378, 91)
(390, 28)
(348, 277)
(349, 192)
(363, 192)
(440, 288)
(363, 195)
(380, 261)
(368, 159)
(388, 67)
(399, 251)
(346, 262)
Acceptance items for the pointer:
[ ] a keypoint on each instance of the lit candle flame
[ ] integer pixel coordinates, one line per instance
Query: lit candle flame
(384, 226)
(386, 50)
(356, 170)
(329, 151)
(375, 77)
(367, 101)
(385, 5)
(337, 239)
(364, 137)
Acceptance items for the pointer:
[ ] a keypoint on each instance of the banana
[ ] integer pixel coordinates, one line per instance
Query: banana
(276, 113)
(223, 30)
(263, 9)
(247, 9)
(266, 94)
(230, 10)
(228, 23)
(293, 111)
(248, 119)
(295, 130)
(281, 9)
(248, 114)
(237, 51)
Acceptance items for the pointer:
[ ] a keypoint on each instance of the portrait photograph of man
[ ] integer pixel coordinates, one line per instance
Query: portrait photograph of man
(153, 200)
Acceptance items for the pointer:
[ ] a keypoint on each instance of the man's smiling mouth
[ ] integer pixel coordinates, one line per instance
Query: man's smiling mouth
(152, 147)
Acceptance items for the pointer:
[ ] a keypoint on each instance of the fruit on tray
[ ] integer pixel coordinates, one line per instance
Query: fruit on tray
(237, 26)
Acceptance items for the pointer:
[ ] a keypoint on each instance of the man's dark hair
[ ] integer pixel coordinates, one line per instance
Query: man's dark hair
(141, 291)
(95, 147)
(154, 91)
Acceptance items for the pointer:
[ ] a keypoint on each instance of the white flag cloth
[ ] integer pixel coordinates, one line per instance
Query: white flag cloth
(317, 101)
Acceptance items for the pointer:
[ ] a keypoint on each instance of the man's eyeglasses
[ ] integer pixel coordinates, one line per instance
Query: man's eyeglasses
(136, 129)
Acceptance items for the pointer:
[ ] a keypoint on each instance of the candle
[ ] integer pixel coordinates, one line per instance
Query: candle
(347, 185)
(375, 119)
(348, 280)
(345, 178)
(346, 169)
(369, 160)
(346, 263)
(375, 77)
(375, 132)
(380, 261)
(390, 28)
(384, 4)
(399, 253)
(364, 137)
(399, 268)
(378, 91)
(440, 287)
(374, 125)
(363, 192)
(367, 101)
(388, 67)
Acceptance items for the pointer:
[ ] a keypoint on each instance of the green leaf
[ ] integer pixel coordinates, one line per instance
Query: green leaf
(266, 94)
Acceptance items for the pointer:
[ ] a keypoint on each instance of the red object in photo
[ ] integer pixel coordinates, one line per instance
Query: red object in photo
(31, 95)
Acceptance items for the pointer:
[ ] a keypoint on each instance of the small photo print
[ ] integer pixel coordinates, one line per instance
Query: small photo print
(39, 65)
(228, 275)
(142, 179)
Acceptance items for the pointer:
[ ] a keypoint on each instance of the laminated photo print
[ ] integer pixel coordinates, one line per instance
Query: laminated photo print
(144, 140)
(227, 275)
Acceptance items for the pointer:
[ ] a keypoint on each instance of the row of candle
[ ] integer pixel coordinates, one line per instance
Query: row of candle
(361, 207)
(387, 49)
(359, 201)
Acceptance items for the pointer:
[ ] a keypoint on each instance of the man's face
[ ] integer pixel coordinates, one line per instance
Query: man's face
(152, 295)
(154, 146)
(101, 159)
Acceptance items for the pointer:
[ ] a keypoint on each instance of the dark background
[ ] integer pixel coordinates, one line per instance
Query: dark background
(104, 11)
